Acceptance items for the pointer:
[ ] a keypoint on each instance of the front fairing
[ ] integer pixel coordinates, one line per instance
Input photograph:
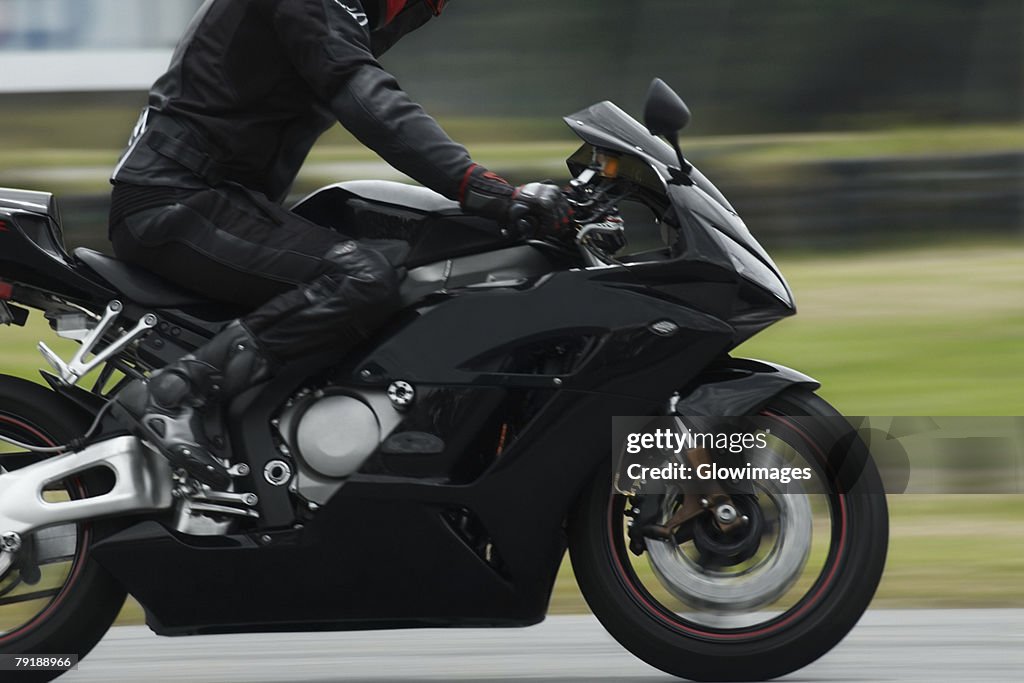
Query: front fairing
(709, 229)
(711, 233)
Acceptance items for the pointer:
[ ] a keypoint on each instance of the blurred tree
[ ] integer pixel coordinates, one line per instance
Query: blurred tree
(784, 65)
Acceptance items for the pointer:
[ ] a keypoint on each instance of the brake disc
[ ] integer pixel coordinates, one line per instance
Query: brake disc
(725, 592)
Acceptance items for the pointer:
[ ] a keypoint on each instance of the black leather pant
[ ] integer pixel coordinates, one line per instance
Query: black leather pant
(312, 288)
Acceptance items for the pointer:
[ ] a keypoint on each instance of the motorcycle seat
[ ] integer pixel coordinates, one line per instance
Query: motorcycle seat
(147, 289)
(135, 283)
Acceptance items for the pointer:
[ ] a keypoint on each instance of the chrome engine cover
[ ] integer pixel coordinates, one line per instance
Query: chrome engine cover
(331, 436)
(336, 435)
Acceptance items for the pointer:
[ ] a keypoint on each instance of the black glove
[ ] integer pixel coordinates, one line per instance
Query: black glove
(536, 209)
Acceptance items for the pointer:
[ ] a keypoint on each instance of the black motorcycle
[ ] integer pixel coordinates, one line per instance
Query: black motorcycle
(436, 475)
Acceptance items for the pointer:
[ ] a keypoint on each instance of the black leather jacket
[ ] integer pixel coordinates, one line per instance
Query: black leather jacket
(254, 83)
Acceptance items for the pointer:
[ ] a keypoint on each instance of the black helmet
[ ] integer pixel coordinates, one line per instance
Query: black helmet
(387, 10)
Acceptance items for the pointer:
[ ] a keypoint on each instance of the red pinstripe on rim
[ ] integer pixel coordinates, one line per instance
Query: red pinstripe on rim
(79, 560)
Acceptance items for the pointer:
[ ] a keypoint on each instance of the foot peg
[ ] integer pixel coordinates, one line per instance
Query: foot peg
(202, 498)
(199, 464)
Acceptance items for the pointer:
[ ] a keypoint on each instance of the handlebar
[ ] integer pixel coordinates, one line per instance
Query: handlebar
(599, 231)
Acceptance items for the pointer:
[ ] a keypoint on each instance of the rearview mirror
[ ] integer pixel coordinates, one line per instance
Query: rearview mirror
(665, 113)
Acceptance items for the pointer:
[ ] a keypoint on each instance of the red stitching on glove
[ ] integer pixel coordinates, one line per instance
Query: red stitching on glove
(490, 175)
(465, 182)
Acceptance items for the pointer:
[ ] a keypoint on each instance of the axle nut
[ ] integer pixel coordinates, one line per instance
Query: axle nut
(10, 542)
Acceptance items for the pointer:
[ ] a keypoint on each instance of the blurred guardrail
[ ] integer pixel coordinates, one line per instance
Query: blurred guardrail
(855, 203)
(814, 205)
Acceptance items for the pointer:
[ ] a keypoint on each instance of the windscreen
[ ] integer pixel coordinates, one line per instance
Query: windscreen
(605, 125)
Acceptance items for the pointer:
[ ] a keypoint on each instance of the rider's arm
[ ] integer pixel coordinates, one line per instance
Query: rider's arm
(329, 44)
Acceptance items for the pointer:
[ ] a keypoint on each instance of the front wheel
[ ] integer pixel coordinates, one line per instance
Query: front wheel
(54, 600)
(774, 608)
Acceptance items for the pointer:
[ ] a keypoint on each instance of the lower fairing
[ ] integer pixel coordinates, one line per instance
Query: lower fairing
(385, 552)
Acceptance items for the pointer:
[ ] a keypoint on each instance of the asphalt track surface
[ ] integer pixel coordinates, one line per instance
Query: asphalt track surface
(888, 645)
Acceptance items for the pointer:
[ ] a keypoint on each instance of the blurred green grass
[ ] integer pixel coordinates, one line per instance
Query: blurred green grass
(926, 331)
(39, 151)
(929, 331)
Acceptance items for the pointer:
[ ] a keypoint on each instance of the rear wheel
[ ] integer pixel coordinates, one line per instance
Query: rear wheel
(54, 600)
(751, 611)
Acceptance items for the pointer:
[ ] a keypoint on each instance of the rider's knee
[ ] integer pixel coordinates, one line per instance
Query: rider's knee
(364, 277)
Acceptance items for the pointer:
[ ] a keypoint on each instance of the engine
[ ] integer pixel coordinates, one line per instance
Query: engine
(328, 436)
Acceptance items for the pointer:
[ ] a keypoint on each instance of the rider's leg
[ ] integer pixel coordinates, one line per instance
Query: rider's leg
(317, 290)
(167, 409)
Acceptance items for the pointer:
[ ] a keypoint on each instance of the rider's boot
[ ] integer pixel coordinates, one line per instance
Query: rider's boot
(167, 409)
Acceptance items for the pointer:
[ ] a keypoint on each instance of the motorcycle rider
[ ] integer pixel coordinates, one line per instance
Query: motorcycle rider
(197, 195)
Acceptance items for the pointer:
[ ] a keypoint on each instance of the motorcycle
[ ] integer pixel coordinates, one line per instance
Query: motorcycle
(437, 474)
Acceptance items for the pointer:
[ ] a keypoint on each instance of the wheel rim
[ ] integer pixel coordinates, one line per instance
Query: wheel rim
(667, 583)
(27, 601)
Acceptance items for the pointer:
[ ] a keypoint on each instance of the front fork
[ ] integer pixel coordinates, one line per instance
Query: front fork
(713, 498)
